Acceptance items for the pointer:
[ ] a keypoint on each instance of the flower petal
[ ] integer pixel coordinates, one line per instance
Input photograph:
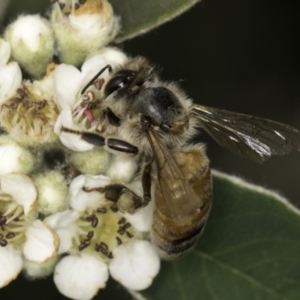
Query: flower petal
(81, 200)
(135, 264)
(80, 277)
(4, 52)
(11, 264)
(42, 242)
(71, 140)
(21, 188)
(64, 225)
(67, 81)
(10, 80)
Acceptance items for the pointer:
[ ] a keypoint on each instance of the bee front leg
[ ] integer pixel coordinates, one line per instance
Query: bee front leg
(124, 198)
(110, 143)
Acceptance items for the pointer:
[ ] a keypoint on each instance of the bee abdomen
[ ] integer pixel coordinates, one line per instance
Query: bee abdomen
(173, 239)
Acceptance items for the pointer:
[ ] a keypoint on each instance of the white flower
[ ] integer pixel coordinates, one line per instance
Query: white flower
(21, 235)
(69, 82)
(10, 73)
(30, 114)
(97, 236)
(82, 29)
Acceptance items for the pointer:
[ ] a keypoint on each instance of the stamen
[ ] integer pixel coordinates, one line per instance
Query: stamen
(3, 243)
(122, 220)
(10, 235)
(17, 213)
(114, 207)
(119, 241)
(90, 234)
(130, 235)
(101, 210)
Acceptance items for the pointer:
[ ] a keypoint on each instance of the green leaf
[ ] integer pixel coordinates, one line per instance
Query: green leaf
(139, 16)
(250, 250)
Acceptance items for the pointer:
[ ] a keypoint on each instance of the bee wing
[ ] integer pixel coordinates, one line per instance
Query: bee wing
(179, 198)
(245, 135)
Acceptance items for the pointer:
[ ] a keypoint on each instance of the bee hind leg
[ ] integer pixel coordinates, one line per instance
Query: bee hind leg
(125, 198)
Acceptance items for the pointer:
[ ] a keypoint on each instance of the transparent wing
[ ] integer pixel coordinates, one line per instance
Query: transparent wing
(179, 198)
(248, 136)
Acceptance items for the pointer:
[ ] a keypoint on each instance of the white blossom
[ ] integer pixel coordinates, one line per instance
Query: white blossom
(30, 114)
(94, 231)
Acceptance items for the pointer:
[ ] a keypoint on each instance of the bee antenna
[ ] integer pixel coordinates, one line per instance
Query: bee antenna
(95, 77)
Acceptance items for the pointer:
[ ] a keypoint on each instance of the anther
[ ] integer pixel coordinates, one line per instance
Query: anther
(3, 243)
(90, 234)
(101, 210)
(130, 235)
(114, 207)
(10, 235)
(122, 220)
(99, 83)
(119, 241)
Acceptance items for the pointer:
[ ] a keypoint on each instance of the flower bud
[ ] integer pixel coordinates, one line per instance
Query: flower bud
(95, 161)
(14, 158)
(32, 43)
(53, 192)
(84, 29)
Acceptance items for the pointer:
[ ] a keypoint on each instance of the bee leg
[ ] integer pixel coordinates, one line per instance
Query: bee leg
(108, 143)
(125, 199)
(146, 182)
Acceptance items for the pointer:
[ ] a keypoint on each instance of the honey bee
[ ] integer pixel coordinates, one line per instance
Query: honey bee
(154, 120)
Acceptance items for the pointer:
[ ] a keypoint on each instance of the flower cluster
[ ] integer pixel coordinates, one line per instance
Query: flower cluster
(54, 216)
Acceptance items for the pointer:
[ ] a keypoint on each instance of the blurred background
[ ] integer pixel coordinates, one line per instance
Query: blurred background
(241, 56)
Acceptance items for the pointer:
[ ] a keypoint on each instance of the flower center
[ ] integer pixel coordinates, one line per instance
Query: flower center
(12, 222)
(27, 113)
(102, 230)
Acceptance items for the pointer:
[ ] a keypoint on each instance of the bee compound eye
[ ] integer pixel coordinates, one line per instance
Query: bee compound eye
(118, 82)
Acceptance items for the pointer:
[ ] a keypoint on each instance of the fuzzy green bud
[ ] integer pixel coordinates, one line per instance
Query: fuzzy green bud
(32, 43)
(53, 192)
(83, 30)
